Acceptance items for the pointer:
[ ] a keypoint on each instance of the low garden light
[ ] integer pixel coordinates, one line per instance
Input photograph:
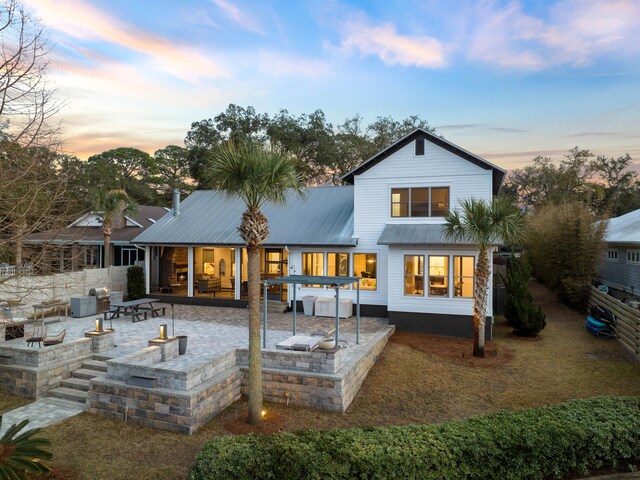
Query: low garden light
(99, 325)
(263, 413)
(163, 331)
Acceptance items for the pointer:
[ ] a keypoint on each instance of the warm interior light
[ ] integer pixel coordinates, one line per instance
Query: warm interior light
(163, 331)
(263, 413)
(99, 327)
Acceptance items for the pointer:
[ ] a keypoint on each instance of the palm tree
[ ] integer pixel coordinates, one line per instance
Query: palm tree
(110, 207)
(257, 175)
(20, 453)
(484, 224)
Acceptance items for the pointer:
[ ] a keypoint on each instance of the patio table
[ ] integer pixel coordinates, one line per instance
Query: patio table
(136, 308)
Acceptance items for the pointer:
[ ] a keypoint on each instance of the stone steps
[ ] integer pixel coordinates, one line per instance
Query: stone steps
(76, 388)
(69, 394)
(86, 373)
(76, 384)
(97, 365)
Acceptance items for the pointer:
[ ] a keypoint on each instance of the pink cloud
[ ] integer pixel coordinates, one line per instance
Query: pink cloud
(576, 33)
(245, 20)
(78, 19)
(393, 48)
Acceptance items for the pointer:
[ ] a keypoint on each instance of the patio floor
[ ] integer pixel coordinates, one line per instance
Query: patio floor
(213, 331)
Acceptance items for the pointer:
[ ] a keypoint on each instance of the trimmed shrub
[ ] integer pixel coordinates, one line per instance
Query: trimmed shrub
(549, 442)
(526, 318)
(135, 282)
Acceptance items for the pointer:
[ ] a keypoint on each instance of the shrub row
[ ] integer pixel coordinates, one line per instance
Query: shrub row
(549, 442)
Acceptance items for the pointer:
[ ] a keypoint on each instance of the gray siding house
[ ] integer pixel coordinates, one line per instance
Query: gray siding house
(620, 268)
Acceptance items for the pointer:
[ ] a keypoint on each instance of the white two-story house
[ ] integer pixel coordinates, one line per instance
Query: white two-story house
(384, 225)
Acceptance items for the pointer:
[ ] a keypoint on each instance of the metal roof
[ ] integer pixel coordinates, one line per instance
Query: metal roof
(624, 229)
(323, 217)
(312, 280)
(417, 234)
(497, 172)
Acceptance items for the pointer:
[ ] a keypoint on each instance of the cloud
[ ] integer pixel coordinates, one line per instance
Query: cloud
(576, 33)
(77, 19)
(245, 20)
(480, 126)
(391, 47)
(591, 134)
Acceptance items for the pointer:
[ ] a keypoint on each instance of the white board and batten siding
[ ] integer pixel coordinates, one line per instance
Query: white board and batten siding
(372, 212)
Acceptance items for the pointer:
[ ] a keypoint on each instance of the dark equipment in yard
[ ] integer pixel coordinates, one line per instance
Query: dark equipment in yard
(601, 322)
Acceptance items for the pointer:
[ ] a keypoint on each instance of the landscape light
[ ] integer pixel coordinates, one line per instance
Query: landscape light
(99, 325)
(163, 331)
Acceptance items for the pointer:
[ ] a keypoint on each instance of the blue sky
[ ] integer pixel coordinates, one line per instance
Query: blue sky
(507, 80)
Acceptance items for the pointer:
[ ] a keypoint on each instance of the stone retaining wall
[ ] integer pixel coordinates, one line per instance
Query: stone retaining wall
(35, 371)
(333, 392)
(165, 409)
(329, 361)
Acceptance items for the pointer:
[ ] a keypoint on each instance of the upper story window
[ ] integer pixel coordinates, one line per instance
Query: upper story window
(420, 202)
(612, 255)
(633, 256)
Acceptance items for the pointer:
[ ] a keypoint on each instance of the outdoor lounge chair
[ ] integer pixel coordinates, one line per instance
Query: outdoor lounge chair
(36, 335)
(55, 340)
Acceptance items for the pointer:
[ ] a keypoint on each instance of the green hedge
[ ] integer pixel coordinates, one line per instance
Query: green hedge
(548, 442)
(135, 283)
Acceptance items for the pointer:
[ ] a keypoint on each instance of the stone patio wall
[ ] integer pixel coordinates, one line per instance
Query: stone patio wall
(329, 361)
(33, 371)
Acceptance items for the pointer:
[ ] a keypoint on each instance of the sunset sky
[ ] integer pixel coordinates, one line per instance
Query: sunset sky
(507, 80)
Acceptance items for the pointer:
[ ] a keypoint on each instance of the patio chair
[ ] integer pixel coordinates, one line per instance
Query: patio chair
(36, 334)
(55, 340)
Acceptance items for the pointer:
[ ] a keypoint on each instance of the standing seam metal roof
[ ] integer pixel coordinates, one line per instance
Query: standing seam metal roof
(417, 234)
(323, 217)
(624, 229)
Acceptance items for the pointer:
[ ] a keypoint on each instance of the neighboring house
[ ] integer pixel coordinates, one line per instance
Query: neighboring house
(80, 245)
(385, 226)
(620, 268)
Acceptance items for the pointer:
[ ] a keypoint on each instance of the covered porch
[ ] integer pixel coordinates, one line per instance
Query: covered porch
(212, 272)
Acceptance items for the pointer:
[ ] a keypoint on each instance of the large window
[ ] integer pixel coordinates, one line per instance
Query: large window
(126, 256)
(365, 266)
(419, 202)
(414, 274)
(438, 275)
(463, 271)
(313, 264)
(612, 255)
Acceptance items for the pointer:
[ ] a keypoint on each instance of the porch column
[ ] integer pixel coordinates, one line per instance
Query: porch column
(238, 277)
(147, 269)
(190, 271)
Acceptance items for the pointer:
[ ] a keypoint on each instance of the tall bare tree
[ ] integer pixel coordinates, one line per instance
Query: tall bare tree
(33, 196)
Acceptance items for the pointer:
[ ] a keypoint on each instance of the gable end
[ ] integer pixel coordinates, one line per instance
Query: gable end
(419, 134)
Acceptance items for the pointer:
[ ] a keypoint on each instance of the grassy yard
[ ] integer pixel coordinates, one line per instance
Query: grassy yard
(9, 402)
(418, 379)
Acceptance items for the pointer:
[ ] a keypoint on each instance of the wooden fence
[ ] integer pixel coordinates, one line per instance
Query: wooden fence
(628, 326)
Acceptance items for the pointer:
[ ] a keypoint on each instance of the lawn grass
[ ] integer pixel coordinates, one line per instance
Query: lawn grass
(418, 379)
(9, 402)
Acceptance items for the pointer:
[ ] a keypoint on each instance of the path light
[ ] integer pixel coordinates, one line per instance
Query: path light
(163, 331)
(99, 325)
(263, 413)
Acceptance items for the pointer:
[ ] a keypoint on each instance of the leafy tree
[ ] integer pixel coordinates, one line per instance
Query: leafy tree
(385, 131)
(125, 168)
(111, 206)
(22, 453)
(483, 224)
(257, 175)
(526, 318)
(171, 170)
(620, 184)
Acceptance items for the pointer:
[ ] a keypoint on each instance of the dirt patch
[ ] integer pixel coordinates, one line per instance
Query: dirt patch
(455, 350)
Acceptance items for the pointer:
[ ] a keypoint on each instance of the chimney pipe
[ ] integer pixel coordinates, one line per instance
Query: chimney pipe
(176, 202)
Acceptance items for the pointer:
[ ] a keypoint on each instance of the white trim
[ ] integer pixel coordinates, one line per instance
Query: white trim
(133, 221)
